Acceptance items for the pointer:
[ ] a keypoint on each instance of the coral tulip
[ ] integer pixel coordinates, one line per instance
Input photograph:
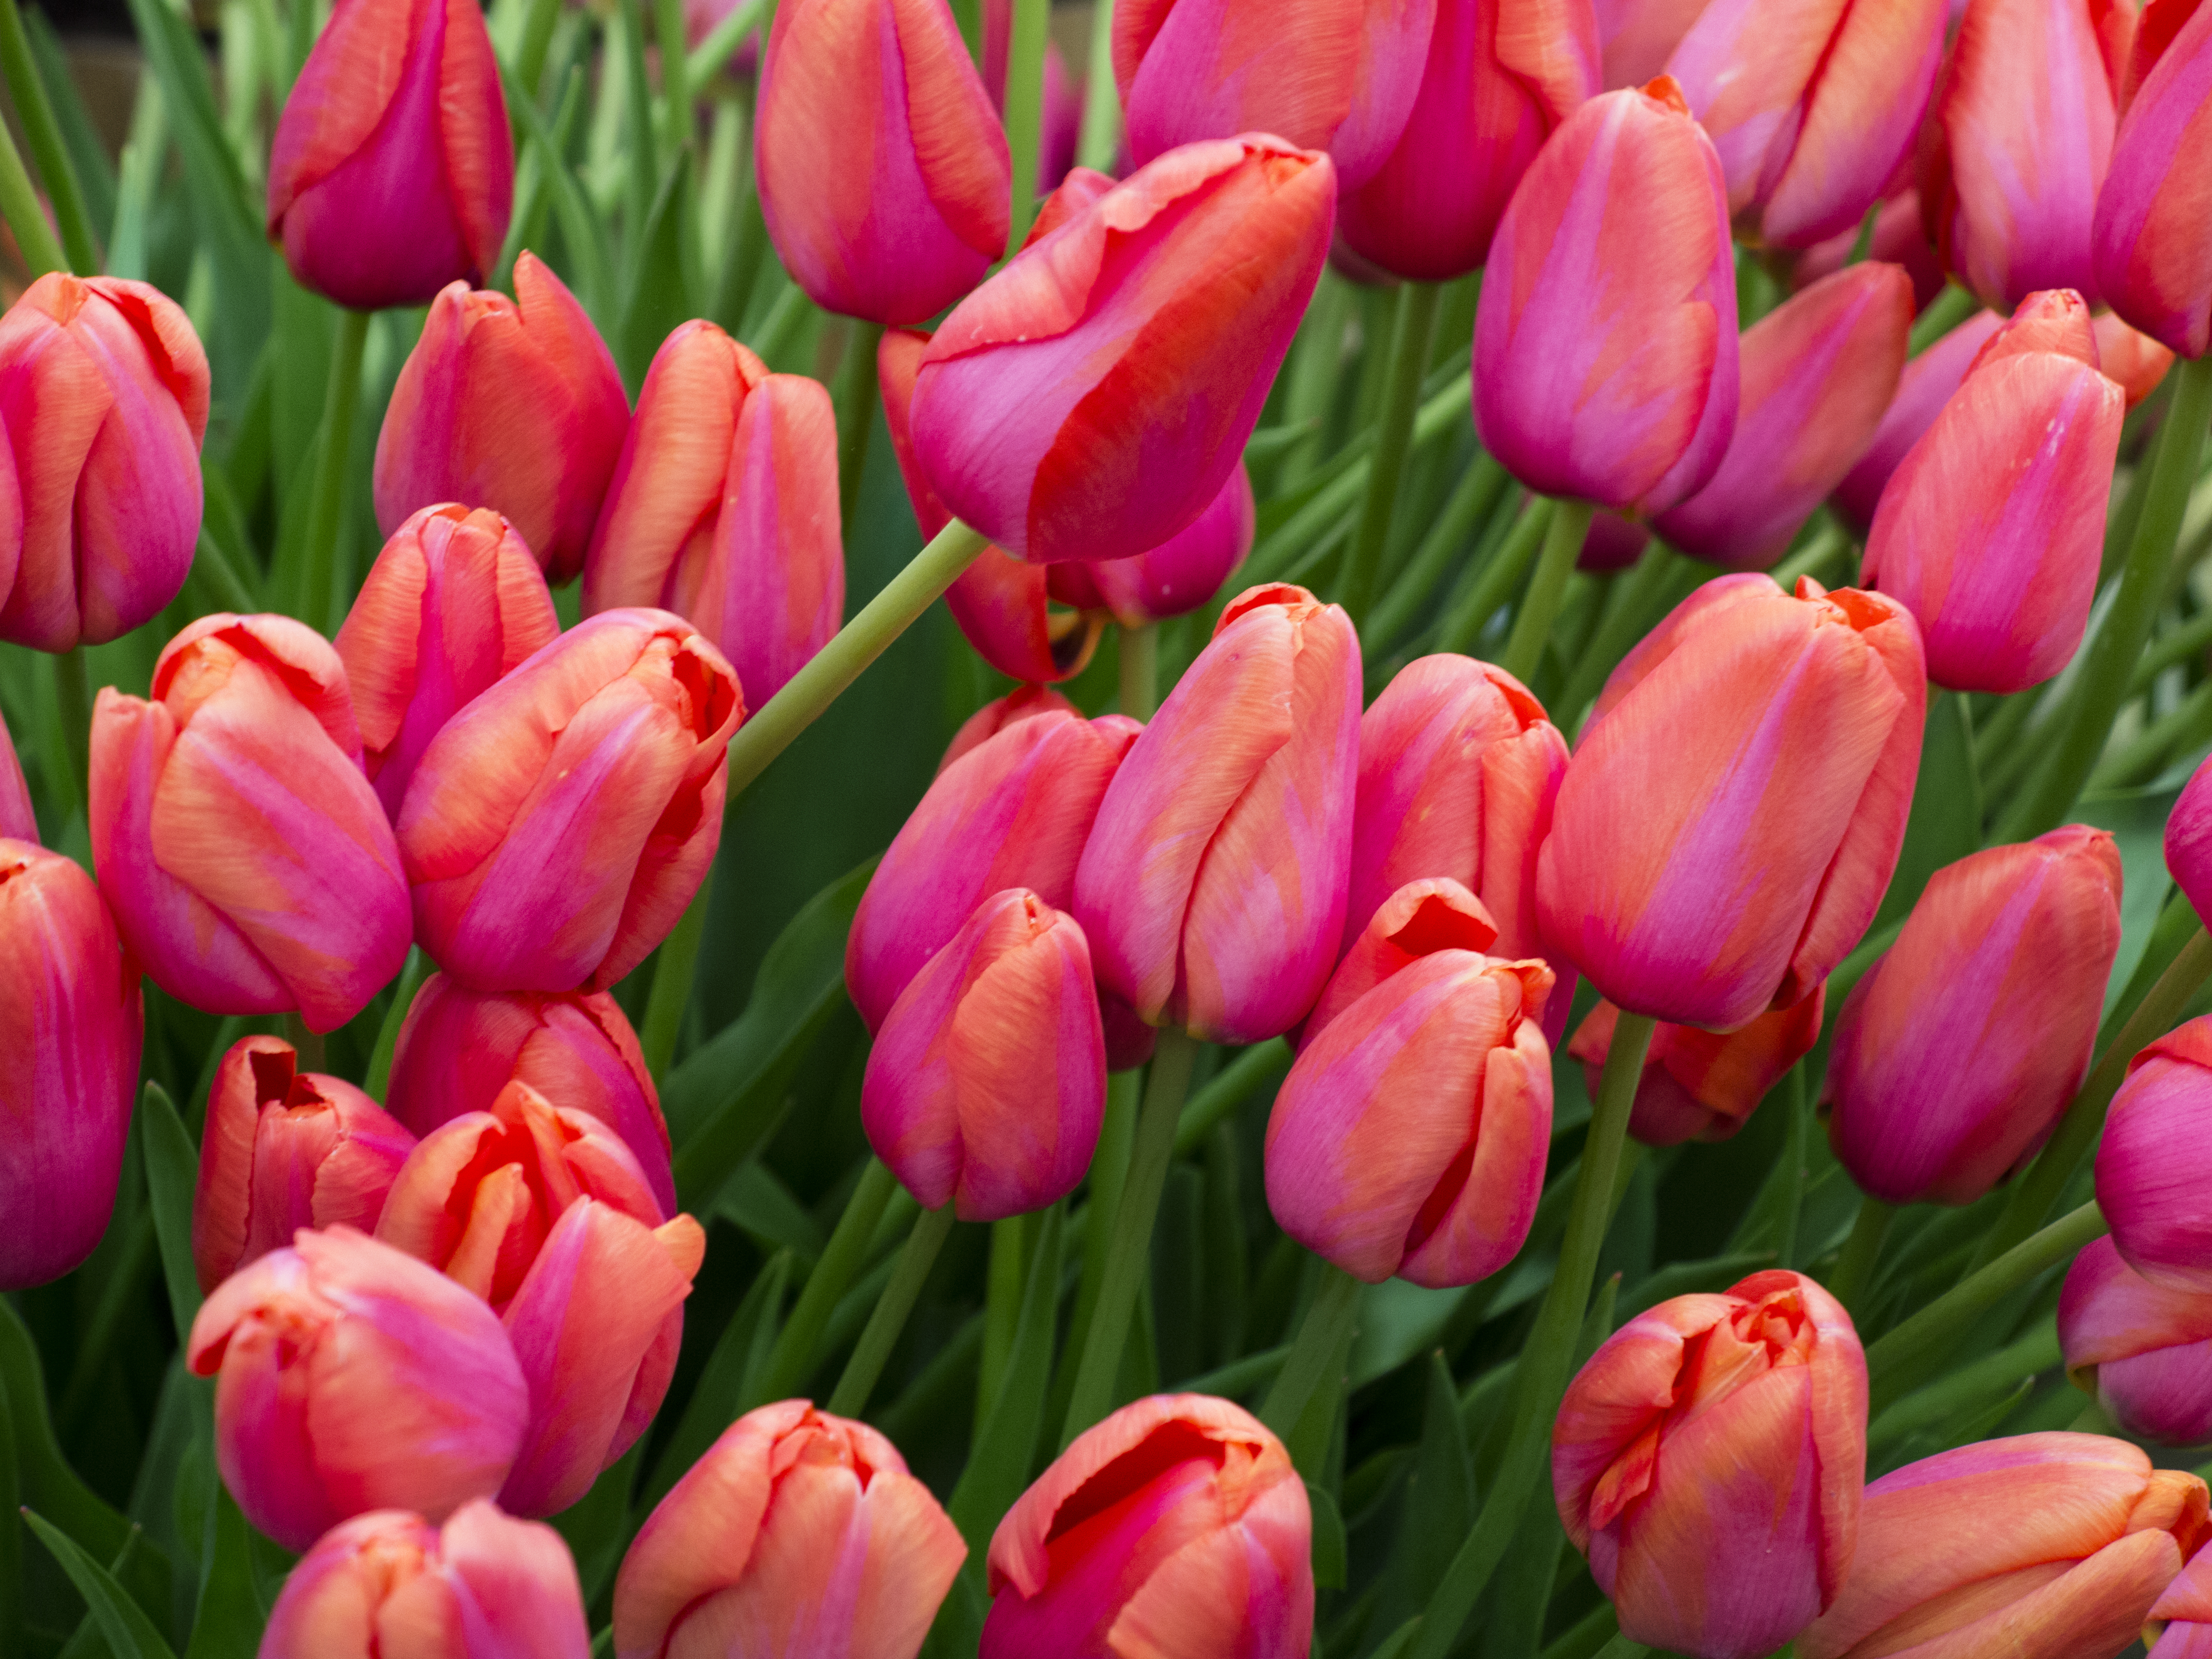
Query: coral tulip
(351, 1378)
(2180, 1623)
(2143, 1350)
(71, 1029)
(510, 405)
(2152, 1164)
(245, 855)
(2189, 839)
(392, 172)
(1175, 1526)
(1707, 1460)
(1174, 579)
(1433, 914)
(1698, 1085)
(1213, 887)
(797, 1534)
(285, 1149)
(2130, 356)
(452, 604)
(2152, 264)
(104, 400)
(2037, 1546)
(17, 821)
(1023, 702)
(883, 169)
(1922, 390)
(1736, 806)
(1605, 341)
(558, 826)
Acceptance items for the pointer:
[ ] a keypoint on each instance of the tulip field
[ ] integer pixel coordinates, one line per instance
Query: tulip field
(1518, 973)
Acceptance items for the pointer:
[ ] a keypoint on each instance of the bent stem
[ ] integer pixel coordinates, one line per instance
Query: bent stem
(1409, 358)
(881, 1334)
(341, 397)
(857, 390)
(670, 998)
(1539, 609)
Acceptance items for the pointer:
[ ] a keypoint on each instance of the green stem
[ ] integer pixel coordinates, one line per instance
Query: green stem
(860, 642)
(1006, 1276)
(1945, 312)
(1394, 427)
(2038, 1351)
(1464, 626)
(1470, 503)
(45, 136)
(1229, 1088)
(1792, 1093)
(1304, 1372)
(73, 703)
(1140, 671)
(669, 999)
(1025, 108)
(1625, 622)
(327, 508)
(931, 1229)
(1109, 1169)
(311, 1046)
(19, 205)
(1549, 1351)
(1315, 362)
(1130, 1254)
(1828, 542)
(857, 394)
(791, 1361)
(1101, 99)
(1539, 607)
(536, 39)
(1854, 1274)
(379, 1078)
(722, 42)
(675, 83)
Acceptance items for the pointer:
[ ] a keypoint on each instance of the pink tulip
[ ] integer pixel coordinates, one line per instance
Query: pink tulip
(558, 826)
(510, 405)
(2180, 1623)
(1213, 887)
(1922, 390)
(452, 604)
(285, 1149)
(2135, 361)
(2152, 1163)
(104, 399)
(245, 855)
(2151, 261)
(1176, 1526)
(1175, 578)
(1707, 1460)
(71, 1026)
(351, 1378)
(2144, 1352)
(1023, 702)
(1605, 342)
(2189, 839)
(1639, 36)
(1698, 1085)
(1433, 914)
(1900, 238)
(799, 1535)
(17, 821)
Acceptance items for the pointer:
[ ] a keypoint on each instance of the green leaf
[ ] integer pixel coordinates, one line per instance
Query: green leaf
(597, 1525)
(131, 1634)
(666, 284)
(1439, 1502)
(11, 1530)
(47, 1482)
(1330, 1556)
(739, 1354)
(1947, 807)
(228, 1619)
(171, 1174)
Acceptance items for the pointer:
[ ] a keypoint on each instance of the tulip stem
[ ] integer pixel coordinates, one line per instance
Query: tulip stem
(321, 590)
(931, 1229)
(669, 999)
(1130, 1254)
(1410, 331)
(1471, 502)
(1549, 1353)
(44, 133)
(1140, 671)
(1854, 1274)
(1024, 102)
(73, 707)
(1101, 99)
(1320, 1337)
(856, 414)
(411, 975)
(860, 642)
(1463, 626)
(19, 205)
(1228, 1089)
(791, 1361)
(1539, 606)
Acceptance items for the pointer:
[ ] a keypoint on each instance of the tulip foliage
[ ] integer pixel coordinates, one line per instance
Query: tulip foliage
(1519, 973)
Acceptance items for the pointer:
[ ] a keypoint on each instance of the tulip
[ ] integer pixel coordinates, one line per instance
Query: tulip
(1497, 81)
(104, 399)
(2189, 839)
(558, 826)
(1014, 811)
(883, 169)
(71, 1029)
(1409, 1138)
(1707, 1460)
(2036, 1546)
(1900, 238)
(2151, 1165)
(1955, 1054)
(1605, 341)
(17, 821)
(2018, 141)
(1175, 578)
(2147, 239)
(285, 1149)
(2144, 1352)
(1137, 341)
(799, 1535)
(388, 1585)
(392, 172)
(1433, 914)
(1991, 528)
(1702, 1086)
(1023, 702)
(459, 1049)
(1611, 542)
(1175, 1526)
(1811, 105)
(245, 855)
(453, 603)
(2180, 1623)
(351, 1378)
(2138, 362)
(1213, 887)
(1922, 390)
(1737, 802)
(986, 1083)
(1818, 371)
(510, 405)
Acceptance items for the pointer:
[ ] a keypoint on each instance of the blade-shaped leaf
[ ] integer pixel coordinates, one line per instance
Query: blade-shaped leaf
(131, 1634)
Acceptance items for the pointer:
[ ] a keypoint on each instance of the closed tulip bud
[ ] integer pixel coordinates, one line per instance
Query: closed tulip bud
(2152, 1165)
(1014, 811)
(17, 821)
(1022, 703)
(1957, 1052)
(2132, 358)
(558, 826)
(2143, 1350)
(1422, 917)
(388, 1585)
(1900, 238)
(245, 855)
(1094, 395)
(1177, 1525)
(883, 169)
(285, 1149)
(1496, 82)
(2017, 142)
(1698, 1085)
(459, 1049)
(352, 1377)
(1818, 373)
(1605, 341)
(1922, 390)
(392, 172)
(799, 1535)
(2036, 1546)
(510, 405)
(2189, 839)
(1175, 578)
(104, 398)
(1991, 528)
(453, 603)
(1213, 887)
(2152, 264)
(1707, 1460)
(71, 1029)
(1735, 807)
(2180, 1623)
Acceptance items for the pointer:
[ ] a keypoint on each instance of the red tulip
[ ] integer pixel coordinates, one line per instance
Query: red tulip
(2151, 261)
(1175, 578)
(2144, 1351)
(1702, 1086)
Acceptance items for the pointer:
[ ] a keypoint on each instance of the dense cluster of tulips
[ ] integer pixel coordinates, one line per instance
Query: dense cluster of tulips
(356, 1062)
